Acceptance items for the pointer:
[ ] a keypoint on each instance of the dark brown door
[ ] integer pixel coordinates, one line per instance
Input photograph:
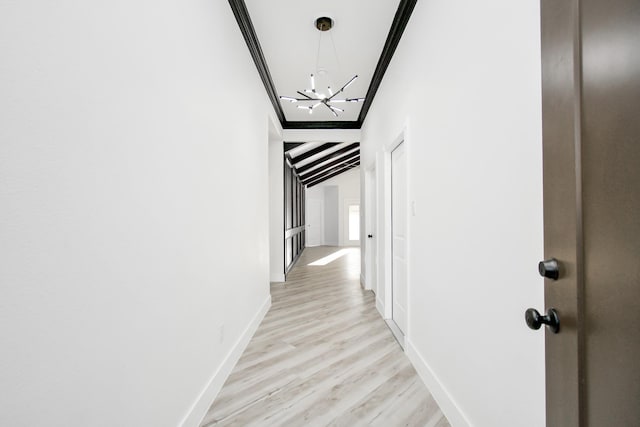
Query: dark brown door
(591, 146)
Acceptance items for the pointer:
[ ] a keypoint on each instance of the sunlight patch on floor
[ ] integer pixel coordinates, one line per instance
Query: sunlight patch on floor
(332, 257)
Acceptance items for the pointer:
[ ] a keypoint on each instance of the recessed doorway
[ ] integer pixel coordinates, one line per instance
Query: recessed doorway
(399, 300)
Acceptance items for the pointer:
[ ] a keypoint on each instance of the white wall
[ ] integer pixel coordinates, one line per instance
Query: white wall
(133, 260)
(321, 135)
(464, 85)
(276, 203)
(335, 194)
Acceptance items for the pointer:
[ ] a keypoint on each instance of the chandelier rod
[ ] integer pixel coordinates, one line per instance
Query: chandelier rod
(344, 87)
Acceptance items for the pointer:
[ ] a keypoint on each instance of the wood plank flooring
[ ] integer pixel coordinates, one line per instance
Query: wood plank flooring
(323, 356)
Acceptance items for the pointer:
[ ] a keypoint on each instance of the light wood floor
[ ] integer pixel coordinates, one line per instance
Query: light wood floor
(323, 356)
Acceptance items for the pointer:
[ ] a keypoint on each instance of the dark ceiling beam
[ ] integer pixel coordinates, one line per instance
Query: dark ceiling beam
(344, 159)
(332, 156)
(329, 171)
(249, 33)
(313, 152)
(335, 172)
(400, 21)
(352, 166)
(322, 125)
(291, 145)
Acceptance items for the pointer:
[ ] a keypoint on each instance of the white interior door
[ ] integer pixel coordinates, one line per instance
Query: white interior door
(399, 237)
(315, 223)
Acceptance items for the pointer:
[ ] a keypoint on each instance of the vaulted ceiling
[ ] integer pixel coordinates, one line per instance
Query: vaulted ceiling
(315, 162)
(287, 48)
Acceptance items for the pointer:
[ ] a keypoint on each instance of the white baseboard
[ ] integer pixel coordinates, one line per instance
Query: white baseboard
(278, 277)
(448, 405)
(380, 306)
(199, 409)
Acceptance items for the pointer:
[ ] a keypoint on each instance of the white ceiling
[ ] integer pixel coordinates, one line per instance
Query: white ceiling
(289, 40)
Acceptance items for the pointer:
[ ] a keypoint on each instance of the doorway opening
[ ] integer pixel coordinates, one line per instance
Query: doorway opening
(354, 222)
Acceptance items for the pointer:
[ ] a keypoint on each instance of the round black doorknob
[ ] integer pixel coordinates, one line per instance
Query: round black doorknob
(535, 320)
(549, 268)
(370, 236)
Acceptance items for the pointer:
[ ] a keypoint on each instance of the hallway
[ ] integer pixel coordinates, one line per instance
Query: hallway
(324, 356)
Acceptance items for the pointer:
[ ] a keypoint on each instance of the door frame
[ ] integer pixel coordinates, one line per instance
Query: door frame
(402, 138)
(370, 227)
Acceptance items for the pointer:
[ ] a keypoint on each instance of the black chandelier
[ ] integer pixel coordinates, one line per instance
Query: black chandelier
(316, 98)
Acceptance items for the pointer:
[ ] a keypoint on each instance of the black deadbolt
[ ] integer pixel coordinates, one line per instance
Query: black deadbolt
(549, 268)
(535, 320)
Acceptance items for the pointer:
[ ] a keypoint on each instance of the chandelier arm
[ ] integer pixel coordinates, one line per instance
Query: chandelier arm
(345, 86)
(330, 109)
(331, 97)
(292, 99)
(307, 96)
